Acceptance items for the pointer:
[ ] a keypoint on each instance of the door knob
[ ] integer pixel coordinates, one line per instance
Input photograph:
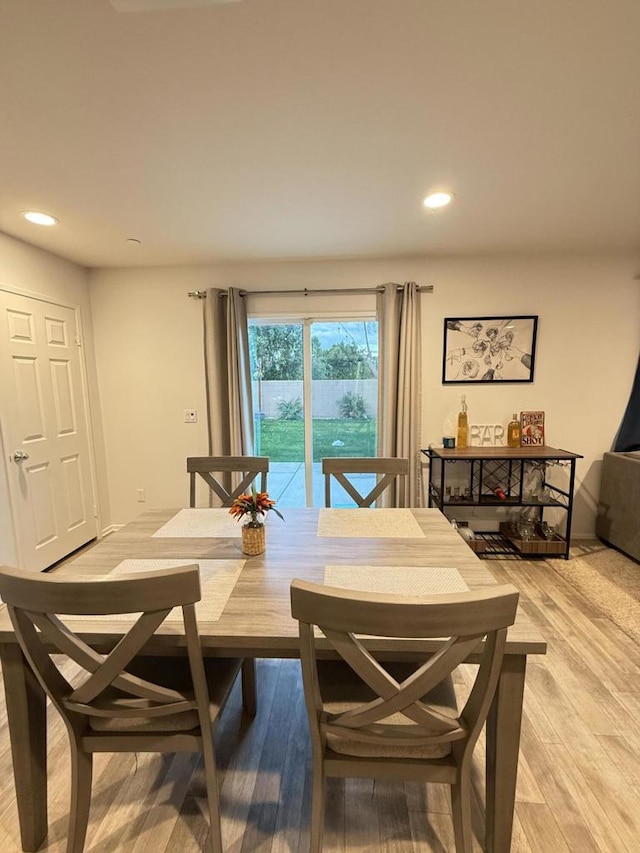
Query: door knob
(19, 455)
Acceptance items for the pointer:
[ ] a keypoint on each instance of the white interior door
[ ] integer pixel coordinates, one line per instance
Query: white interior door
(44, 430)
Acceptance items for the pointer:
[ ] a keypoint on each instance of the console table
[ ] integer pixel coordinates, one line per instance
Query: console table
(495, 477)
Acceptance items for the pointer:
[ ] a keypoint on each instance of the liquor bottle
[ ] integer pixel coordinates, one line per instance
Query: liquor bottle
(462, 439)
(513, 432)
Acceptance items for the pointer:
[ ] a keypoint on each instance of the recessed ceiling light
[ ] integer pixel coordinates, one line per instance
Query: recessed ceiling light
(441, 198)
(38, 218)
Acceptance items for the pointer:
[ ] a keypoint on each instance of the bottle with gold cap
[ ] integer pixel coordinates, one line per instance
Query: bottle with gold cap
(462, 439)
(513, 431)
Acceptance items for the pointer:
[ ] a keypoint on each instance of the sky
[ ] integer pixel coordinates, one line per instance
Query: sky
(346, 332)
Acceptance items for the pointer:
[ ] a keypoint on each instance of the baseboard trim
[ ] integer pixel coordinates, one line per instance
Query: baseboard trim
(112, 528)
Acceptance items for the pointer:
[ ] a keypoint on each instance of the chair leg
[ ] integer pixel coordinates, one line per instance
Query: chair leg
(461, 810)
(318, 794)
(249, 700)
(213, 797)
(81, 774)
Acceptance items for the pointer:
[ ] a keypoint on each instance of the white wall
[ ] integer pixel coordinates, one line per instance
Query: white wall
(36, 272)
(148, 336)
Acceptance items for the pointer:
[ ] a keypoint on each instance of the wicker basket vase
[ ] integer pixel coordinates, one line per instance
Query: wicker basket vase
(253, 539)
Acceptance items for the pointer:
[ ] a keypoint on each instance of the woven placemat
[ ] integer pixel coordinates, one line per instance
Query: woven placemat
(369, 523)
(396, 580)
(200, 523)
(217, 580)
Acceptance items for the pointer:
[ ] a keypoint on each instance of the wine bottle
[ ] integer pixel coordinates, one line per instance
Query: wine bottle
(513, 432)
(492, 484)
(462, 440)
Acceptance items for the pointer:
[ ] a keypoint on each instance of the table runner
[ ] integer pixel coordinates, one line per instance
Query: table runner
(369, 523)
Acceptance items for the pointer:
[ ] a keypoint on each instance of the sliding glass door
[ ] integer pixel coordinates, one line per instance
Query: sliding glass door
(277, 371)
(314, 395)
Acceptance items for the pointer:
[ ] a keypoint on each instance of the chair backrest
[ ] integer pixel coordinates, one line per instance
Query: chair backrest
(207, 466)
(386, 468)
(104, 688)
(461, 621)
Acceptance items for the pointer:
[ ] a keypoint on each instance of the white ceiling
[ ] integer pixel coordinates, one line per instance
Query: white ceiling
(313, 128)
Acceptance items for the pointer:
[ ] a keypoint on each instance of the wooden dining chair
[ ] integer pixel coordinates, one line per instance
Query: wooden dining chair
(121, 701)
(211, 467)
(386, 468)
(367, 720)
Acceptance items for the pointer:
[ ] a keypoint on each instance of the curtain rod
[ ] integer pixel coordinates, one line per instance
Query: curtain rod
(202, 294)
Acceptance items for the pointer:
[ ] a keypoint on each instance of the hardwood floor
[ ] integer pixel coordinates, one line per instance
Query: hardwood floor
(578, 785)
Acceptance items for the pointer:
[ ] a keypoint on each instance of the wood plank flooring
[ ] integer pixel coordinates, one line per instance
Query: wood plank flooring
(578, 784)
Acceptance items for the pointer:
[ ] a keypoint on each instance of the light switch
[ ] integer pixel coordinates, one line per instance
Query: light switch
(190, 416)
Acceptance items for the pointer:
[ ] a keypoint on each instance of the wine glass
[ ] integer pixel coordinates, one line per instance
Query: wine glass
(548, 530)
(526, 529)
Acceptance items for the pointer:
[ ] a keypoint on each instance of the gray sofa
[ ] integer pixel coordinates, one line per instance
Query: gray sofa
(618, 521)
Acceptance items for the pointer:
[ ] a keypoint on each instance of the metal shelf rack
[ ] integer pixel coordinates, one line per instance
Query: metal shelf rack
(495, 477)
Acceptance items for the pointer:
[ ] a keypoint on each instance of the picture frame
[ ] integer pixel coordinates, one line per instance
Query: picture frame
(489, 349)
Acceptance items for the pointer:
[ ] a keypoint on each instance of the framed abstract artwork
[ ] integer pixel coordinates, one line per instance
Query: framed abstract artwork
(489, 349)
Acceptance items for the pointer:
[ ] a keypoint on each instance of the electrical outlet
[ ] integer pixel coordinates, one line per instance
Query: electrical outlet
(190, 416)
(141, 495)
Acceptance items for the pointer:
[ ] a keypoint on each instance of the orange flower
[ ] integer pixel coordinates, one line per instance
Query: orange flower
(255, 504)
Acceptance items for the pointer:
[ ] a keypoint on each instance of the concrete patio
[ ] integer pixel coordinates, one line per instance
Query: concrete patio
(286, 485)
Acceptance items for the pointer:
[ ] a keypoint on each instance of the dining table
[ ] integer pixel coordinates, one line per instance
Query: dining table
(245, 612)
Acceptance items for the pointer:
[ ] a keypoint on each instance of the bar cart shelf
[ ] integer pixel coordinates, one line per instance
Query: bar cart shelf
(496, 477)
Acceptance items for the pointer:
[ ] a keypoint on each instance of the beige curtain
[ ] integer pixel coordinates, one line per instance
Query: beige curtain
(400, 384)
(228, 375)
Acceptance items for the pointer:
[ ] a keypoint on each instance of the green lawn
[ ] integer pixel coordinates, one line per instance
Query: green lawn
(283, 441)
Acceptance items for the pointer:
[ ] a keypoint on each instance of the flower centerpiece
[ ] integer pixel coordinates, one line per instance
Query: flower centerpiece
(253, 505)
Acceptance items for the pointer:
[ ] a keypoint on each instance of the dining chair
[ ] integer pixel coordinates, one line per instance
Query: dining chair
(208, 467)
(121, 701)
(369, 719)
(386, 468)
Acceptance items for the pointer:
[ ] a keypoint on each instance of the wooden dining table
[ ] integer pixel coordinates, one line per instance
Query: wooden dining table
(252, 619)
